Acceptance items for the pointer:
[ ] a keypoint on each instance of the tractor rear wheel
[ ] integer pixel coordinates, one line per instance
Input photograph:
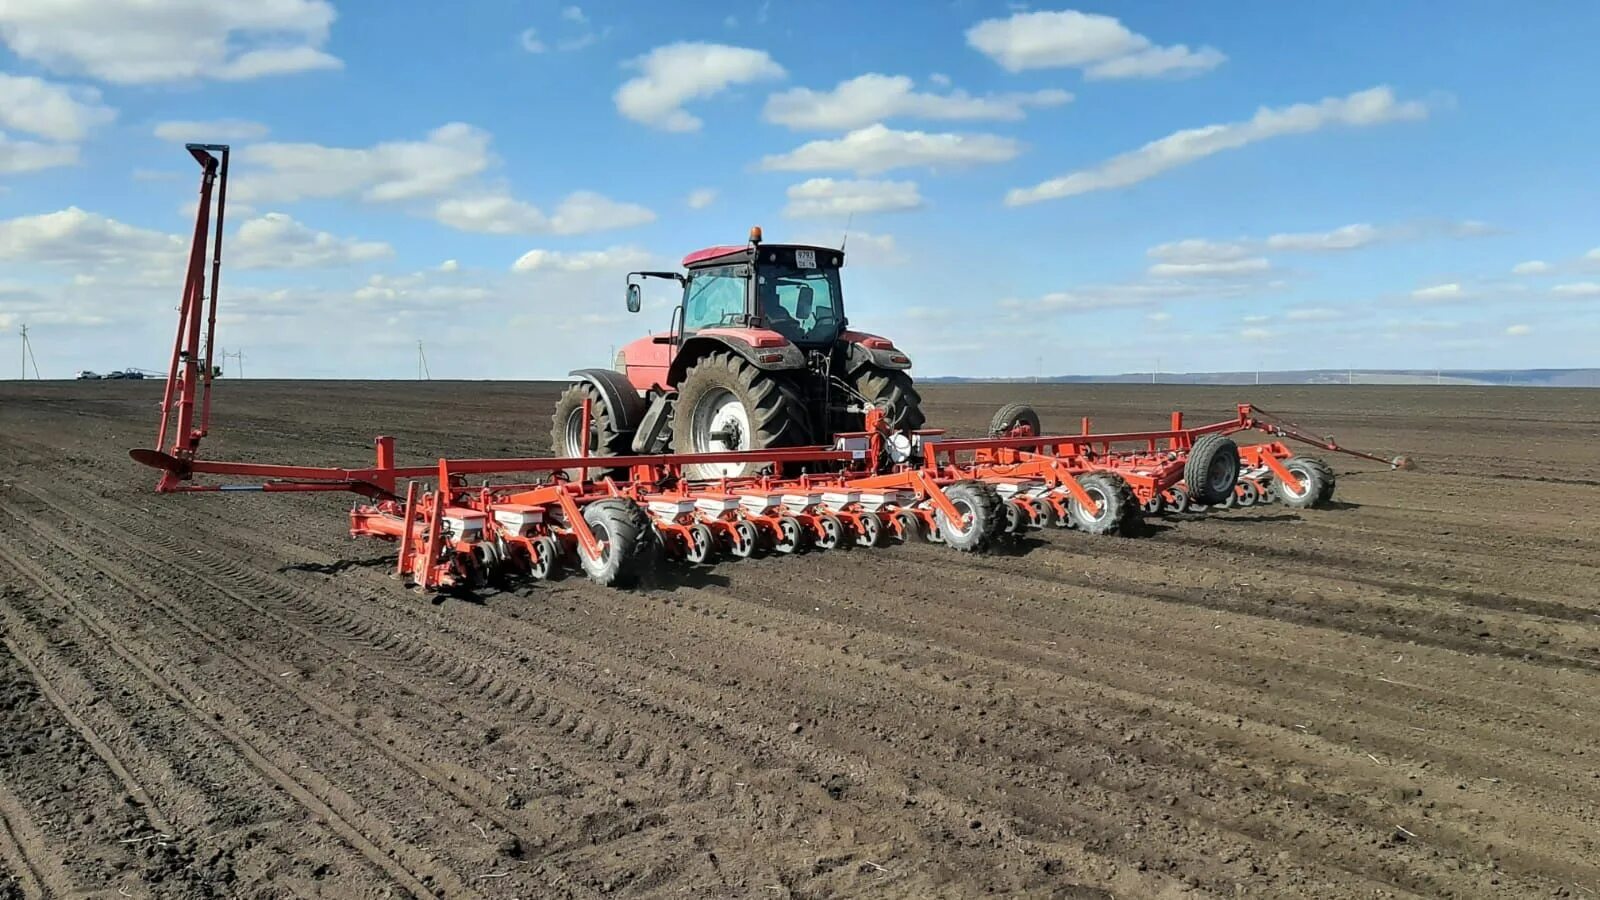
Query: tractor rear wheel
(893, 392)
(725, 403)
(566, 429)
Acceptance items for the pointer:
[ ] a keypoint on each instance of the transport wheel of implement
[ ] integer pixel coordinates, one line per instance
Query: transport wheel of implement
(910, 527)
(1314, 476)
(725, 403)
(870, 532)
(566, 428)
(1010, 416)
(546, 558)
(982, 513)
(1118, 507)
(893, 392)
(702, 544)
(831, 532)
(627, 539)
(743, 541)
(1212, 469)
(1248, 493)
(1154, 505)
(1176, 499)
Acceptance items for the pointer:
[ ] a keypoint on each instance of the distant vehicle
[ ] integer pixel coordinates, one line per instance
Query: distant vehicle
(129, 374)
(87, 375)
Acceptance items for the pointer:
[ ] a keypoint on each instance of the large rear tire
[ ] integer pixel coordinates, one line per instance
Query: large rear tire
(893, 392)
(1010, 416)
(566, 428)
(725, 403)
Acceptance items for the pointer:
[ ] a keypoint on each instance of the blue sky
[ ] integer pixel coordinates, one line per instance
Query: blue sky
(1082, 189)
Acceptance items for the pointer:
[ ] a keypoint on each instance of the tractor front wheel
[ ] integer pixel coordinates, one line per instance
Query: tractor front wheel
(725, 404)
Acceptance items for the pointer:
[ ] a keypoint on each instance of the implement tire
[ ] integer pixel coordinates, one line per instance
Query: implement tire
(1212, 469)
(1010, 416)
(629, 543)
(893, 392)
(725, 403)
(1119, 509)
(1316, 482)
(985, 512)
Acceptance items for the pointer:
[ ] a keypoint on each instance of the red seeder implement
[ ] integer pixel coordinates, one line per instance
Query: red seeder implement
(618, 517)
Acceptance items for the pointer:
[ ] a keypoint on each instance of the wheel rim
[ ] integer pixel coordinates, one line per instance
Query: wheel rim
(744, 539)
(721, 424)
(699, 543)
(1219, 473)
(603, 538)
(870, 529)
(1305, 483)
(788, 535)
(1101, 502)
(965, 524)
(575, 432)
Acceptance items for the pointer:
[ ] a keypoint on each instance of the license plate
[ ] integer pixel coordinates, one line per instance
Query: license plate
(805, 259)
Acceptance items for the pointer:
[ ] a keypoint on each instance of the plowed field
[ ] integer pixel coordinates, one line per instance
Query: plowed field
(223, 695)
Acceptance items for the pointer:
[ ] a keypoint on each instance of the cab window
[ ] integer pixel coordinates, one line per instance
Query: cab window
(714, 297)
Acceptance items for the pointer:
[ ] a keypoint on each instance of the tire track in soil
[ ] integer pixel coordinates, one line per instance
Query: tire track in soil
(567, 720)
(1325, 798)
(27, 868)
(321, 811)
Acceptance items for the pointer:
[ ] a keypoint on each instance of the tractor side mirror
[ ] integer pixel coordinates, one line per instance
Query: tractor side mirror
(635, 298)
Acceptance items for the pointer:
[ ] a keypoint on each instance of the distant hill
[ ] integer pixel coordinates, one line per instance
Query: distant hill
(1518, 377)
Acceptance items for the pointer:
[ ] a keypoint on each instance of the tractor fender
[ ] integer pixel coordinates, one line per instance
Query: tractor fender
(771, 359)
(626, 406)
(860, 356)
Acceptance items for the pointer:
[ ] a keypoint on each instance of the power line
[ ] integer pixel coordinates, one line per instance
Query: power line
(29, 356)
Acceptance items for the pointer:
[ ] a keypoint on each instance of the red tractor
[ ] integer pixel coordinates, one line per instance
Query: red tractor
(758, 354)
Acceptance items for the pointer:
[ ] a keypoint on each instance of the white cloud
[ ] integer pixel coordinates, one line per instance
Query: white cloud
(529, 39)
(615, 258)
(700, 198)
(831, 197)
(1451, 291)
(876, 148)
(276, 241)
(177, 40)
(1577, 289)
(1313, 314)
(1198, 250)
(1593, 255)
(875, 98)
(1531, 267)
(55, 111)
(1361, 109)
(674, 74)
(1350, 237)
(1092, 298)
(1159, 317)
(574, 14)
(214, 131)
(1253, 265)
(392, 170)
(1256, 334)
(499, 213)
(17, 157)
(415, 291)
(1519, 330)
(1101, 45)
(449, 265)
(940, 79)
(74, 237)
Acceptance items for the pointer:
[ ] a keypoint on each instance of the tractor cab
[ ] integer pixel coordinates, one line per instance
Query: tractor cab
(758, 353)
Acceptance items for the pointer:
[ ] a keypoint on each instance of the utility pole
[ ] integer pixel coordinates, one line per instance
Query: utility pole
(422, 365)
(238, 355)
(27, 357)
(1155, 370)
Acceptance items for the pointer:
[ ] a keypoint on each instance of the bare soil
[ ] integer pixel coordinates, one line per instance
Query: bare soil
(225, 696)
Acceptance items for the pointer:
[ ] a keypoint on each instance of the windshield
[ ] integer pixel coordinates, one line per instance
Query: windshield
(803, 305)
(714, 297)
